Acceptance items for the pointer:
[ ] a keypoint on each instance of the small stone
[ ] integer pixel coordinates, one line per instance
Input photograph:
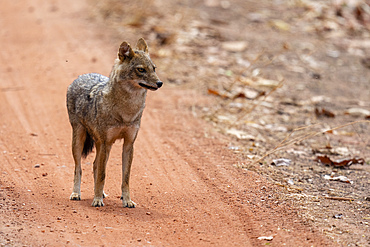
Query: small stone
(337, 216)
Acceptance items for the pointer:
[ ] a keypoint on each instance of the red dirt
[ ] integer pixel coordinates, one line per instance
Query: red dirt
(183, 179)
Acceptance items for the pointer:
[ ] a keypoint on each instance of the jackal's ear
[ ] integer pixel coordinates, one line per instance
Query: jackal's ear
(125, 51)
(142, 46)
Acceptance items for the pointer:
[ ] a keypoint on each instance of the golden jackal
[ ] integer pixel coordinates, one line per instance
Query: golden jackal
(102, 110)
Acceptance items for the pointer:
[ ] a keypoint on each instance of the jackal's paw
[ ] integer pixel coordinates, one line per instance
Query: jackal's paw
(97, 203)
(104, 195)
(128, 203)
(75, 197)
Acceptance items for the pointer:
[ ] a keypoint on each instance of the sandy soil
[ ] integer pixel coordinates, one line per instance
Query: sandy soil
(184, 177)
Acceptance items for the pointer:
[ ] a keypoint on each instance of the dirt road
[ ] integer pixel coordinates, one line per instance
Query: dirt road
(183, 179)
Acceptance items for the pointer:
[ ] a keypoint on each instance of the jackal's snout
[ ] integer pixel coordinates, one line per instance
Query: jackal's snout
(159, 84)
(151, 86)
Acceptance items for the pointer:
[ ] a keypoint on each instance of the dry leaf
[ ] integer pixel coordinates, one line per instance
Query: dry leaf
(234, 46)
(281, 162)
(339, 178)
(342, 163)
(322, 112)
(261, 82)
(281, 25)
(217, 93)
(240, 134)
(358, 112)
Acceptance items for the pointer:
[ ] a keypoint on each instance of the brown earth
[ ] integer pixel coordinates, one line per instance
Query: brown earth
(187, 181)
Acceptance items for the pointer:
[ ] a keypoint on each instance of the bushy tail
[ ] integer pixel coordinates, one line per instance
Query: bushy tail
(88, 145)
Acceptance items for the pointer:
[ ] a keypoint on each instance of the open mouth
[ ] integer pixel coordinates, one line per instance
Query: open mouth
(147, 87)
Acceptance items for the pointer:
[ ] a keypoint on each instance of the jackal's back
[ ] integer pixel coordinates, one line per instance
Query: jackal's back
(83, 95)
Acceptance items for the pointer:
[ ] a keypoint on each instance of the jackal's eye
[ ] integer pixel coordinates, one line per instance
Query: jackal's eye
(141, 70)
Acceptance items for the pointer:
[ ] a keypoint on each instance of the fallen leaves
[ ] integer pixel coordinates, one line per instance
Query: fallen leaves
(259, 82)
(216, 93)
(335, 16)
(281, 162)
(341, 163)
(240, 134)
(241, 93)
(322, 112)
(358, 112)
(280, 25)
(343, 179)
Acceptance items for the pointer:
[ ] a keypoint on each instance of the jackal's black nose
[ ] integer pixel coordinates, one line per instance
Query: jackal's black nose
(159, 84)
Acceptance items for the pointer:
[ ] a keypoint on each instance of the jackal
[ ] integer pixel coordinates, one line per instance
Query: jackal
(102, 110)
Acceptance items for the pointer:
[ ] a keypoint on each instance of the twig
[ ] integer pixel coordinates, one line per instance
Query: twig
(48, 154)
(338, 198)
(284, 142)
(281, 144)
(281, 82)
(239, 76)
(248, 67)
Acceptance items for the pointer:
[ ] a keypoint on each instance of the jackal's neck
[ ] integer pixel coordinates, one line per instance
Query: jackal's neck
(121, 91)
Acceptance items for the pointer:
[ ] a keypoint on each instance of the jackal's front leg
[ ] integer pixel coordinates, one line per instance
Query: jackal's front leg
(78, 139)
(100, 163)
(127, 156)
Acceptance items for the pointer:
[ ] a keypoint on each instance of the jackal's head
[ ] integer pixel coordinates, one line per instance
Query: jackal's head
(136, 67)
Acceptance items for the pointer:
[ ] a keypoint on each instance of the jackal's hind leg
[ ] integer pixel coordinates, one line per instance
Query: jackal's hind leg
(78, 139)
